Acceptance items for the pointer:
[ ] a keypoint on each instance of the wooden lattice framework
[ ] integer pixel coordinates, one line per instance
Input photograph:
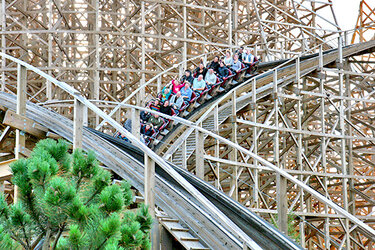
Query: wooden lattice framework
(365, 31)
(106, 49)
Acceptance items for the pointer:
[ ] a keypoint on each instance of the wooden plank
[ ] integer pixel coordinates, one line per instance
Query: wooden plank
(24, 124)
(5, 173)
(25, 152)
(78, 124)
(53, 135)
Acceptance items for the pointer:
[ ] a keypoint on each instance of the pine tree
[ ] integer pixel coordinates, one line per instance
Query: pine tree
(66, 201)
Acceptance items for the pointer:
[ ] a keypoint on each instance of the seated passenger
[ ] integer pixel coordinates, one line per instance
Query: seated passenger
(176, 101)
(186, 92)
(176, 87)
(145, 115)
(165, 93)
(155, 105)
(228, 60)
(147, 130)
(237, 65)
(248, 57)
(165, 108)
(187, 77)
(214, 64)
(199, 85)
(128, 125)
(210, 77)
(201, 70)
(156, 121)
(223, 71)
(240, 54)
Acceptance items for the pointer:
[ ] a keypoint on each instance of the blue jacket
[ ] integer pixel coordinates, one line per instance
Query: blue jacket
(186, 92)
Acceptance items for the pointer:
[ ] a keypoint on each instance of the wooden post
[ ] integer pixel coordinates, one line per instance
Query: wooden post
(3, 42)
(199, 154)
(78, 124)
(323, 149)
(255, 143)
(150, 184)
(149, 192)
(230, 24)
(282, 204)
(281, 199)
(233, 155)
(343, 141)
(183, 155)
(185, 33)
(217, 145)
(135, 121)
(141, 94)
(50, 50)
(21, 110)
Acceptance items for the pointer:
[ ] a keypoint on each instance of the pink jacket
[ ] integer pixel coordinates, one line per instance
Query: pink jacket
(176, 87)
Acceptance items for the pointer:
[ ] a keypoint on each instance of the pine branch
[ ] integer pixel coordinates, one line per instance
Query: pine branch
(79, 181)
(92, 197)
(100, 246)
(34, 213)
(24, 233)
(46, 239)
(58, 236)
(14, 237)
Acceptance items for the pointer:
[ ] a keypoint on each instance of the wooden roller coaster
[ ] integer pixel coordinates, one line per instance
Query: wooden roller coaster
(292, 143)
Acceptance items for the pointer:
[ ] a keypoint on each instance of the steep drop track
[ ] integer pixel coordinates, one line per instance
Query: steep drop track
(259, 230)
(169, 195)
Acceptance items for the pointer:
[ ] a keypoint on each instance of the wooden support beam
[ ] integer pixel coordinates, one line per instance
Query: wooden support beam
(53, 135)
(25, 124)
(282, 203)
(78, 124)
(199, 154)
(135, 123)
(21, 108)
(149, 165)
(149, 184)
(5, 172)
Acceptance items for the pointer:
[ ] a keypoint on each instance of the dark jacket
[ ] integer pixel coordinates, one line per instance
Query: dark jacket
(214, 65)
(145, 116)
(189, 79)
(223, 72)
(240, 57)
(148, 132)
(197, 72)
(166, 110)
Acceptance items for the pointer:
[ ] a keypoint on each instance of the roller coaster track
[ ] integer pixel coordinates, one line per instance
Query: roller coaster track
(264, 87)
(177, 202)
(174, 195)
